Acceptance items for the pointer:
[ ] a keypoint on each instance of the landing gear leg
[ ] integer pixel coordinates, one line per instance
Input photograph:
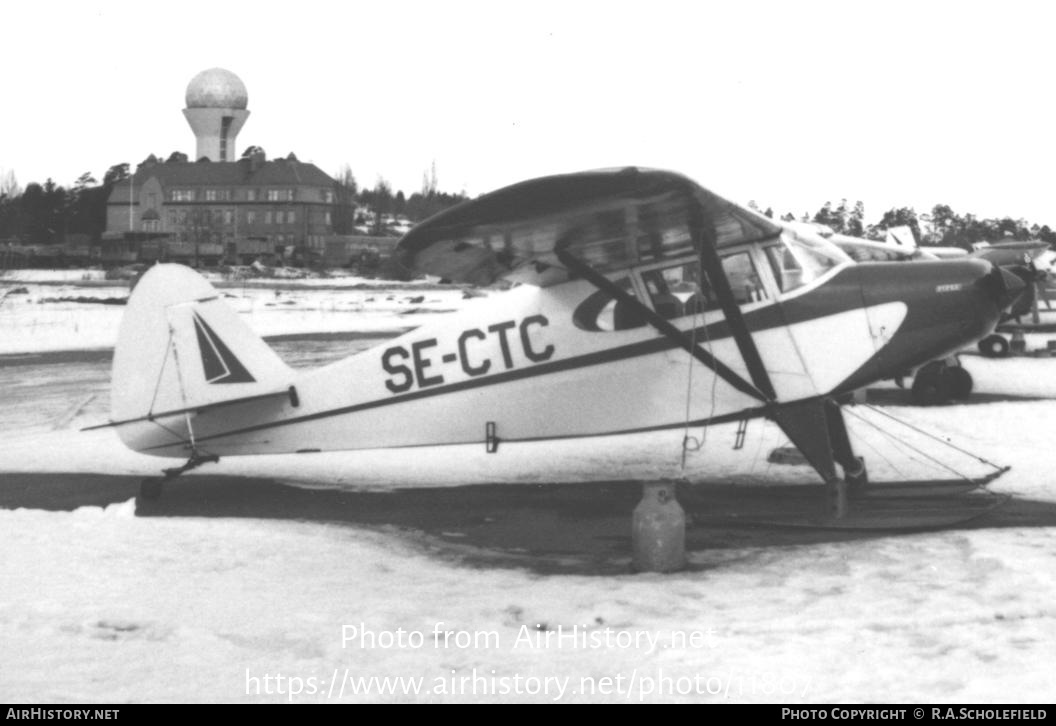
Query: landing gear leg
(836, 491)
(817, 429)
(152, 487)
(855, 475)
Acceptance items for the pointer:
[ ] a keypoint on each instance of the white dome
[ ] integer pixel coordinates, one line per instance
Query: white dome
(216, 88)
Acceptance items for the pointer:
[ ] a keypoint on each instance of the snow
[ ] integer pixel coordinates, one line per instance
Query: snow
(36, 320)
(113, 604)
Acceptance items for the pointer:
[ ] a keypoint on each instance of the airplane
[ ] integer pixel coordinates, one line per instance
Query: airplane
(940, 380)
(633, 291)
(1026, 259)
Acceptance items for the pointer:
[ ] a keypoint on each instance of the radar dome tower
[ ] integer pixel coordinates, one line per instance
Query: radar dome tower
(216, 110)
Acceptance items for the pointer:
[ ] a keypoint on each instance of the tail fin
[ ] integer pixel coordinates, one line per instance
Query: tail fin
(181, 346)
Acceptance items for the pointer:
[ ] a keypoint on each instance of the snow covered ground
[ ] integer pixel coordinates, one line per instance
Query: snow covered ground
(498, 587)
(51, 312)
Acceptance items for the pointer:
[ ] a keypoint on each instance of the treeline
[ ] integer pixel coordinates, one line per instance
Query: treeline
(48, 213)
(939, 227)
(384, 203)
(43, 214)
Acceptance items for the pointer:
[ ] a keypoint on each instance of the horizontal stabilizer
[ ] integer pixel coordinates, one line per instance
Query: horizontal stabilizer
(290, 395)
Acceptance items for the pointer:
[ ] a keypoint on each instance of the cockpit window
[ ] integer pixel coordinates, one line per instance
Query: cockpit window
(787, 270)
(797, 261)
(744, 281)
(679, 290)
(602, 312)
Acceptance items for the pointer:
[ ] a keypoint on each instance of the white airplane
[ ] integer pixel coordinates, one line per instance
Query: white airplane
(633, 283)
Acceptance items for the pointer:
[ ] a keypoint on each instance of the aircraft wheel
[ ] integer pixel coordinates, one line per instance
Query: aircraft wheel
(959, 382)
(994, 346)
(931, 386)
(151, 488)
(858, 479)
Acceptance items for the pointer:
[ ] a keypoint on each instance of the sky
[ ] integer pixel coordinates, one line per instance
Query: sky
(788, 104)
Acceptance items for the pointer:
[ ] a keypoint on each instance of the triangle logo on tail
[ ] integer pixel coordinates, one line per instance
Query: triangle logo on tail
(218, 362)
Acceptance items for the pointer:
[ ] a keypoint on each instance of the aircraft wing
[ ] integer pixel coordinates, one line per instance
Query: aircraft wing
(610, 219)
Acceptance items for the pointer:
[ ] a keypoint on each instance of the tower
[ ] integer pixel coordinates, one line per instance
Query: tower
(216, 110)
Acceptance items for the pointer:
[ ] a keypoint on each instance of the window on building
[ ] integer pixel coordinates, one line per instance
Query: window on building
(251, 195)
(328, 196)
(210, 195)
(280, 195)
(172, 217)
(229, 216)
(290, 217)
(328, 218)
(225, 130)
(182, 195)
(267, 217)
(251, 217)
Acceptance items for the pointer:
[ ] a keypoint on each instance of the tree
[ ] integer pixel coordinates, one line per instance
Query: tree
(344, 212)
(177, 157)
(381, 201)
(9, 185)
(251, 150)
(944, 222)
(826, 216)
(898, 217)
(429, 183)
(855, 226)
(346, 179)
(10, 206)
(116, 173)
(34, 213)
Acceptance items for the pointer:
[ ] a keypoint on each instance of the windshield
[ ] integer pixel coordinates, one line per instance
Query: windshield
(798, 261)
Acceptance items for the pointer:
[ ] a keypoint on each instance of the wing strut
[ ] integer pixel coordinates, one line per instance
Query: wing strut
(601, 282)
(703, 232)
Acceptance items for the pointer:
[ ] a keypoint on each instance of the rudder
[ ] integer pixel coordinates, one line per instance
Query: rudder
(181, 346)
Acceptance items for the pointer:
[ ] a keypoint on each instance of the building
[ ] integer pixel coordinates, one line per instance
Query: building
(206, 212)
(218, 209)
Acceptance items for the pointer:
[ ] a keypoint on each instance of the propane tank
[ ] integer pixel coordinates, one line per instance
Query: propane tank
(658, 529)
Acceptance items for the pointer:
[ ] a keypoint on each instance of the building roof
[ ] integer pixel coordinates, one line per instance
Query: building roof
(277, 172)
